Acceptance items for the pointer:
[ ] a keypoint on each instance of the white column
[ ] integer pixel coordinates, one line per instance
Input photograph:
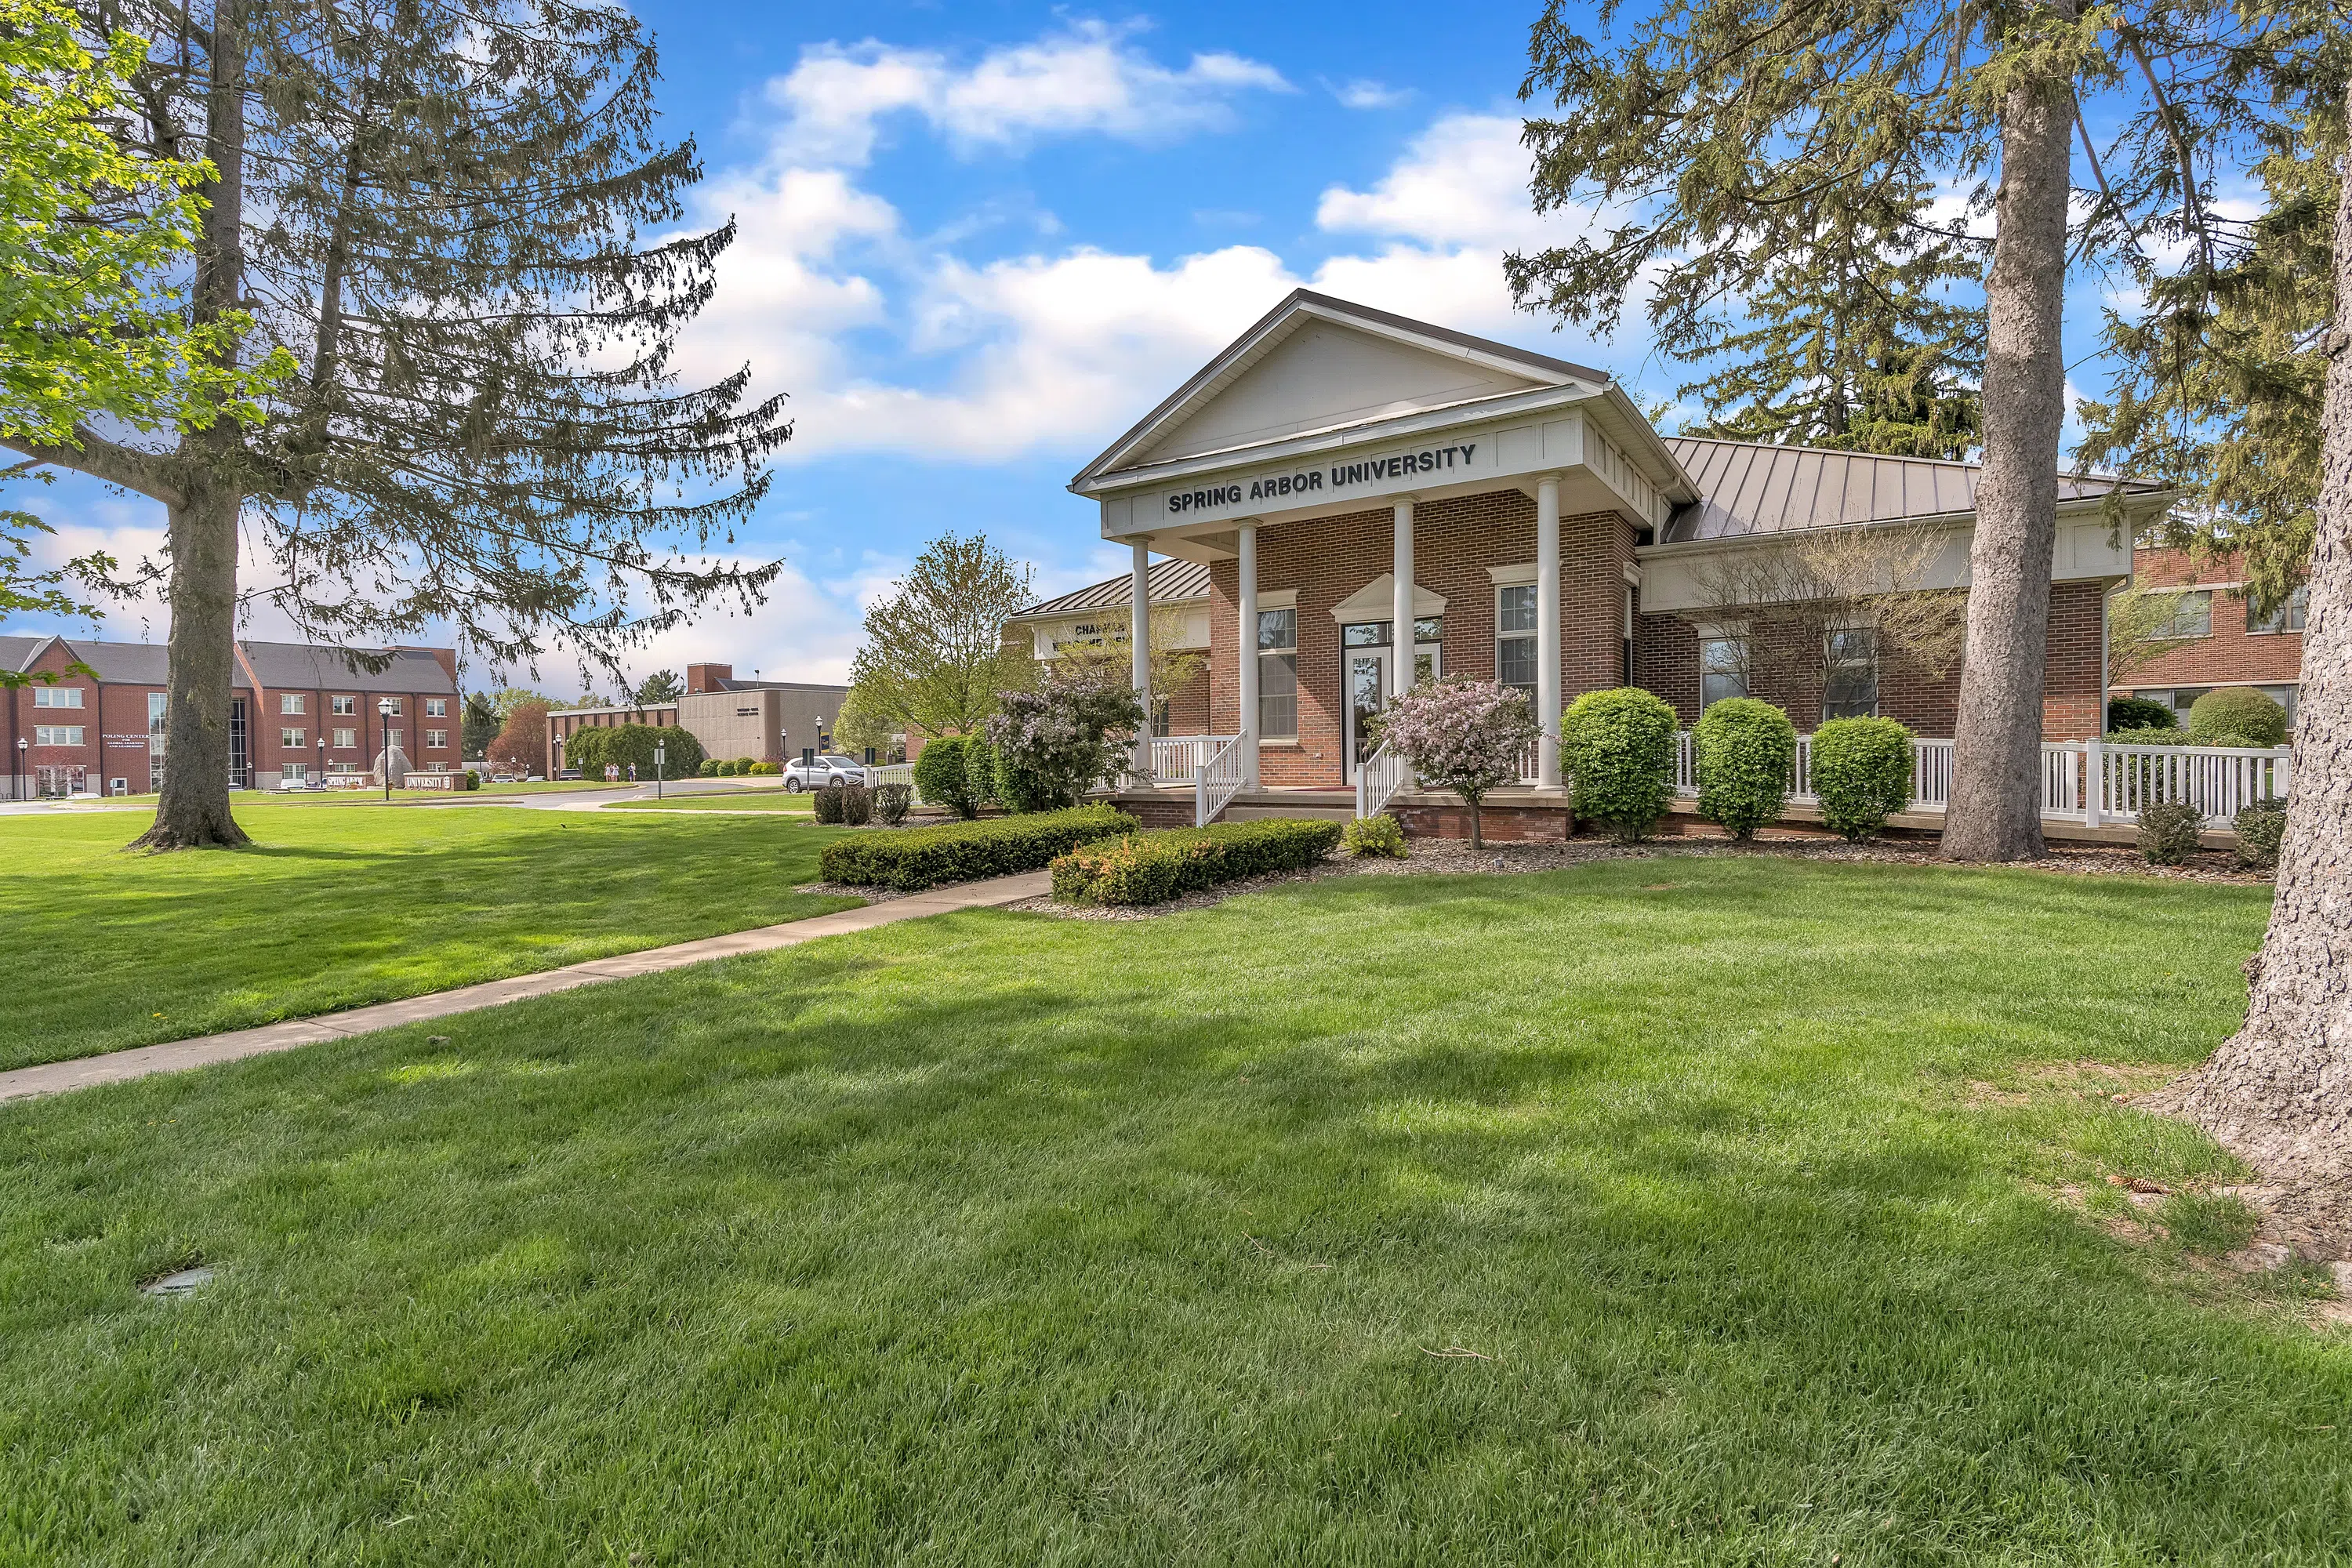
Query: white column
(1548, 631)
(1400, 614)
(1138, 639)
(1247, 644)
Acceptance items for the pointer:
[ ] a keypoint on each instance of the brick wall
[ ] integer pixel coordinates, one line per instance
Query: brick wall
(2232, 655)
(2074, 702)
(1188, 706)
(1454, 541)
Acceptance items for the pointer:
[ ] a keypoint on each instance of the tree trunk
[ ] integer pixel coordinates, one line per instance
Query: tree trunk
(2279, 1091)
(195, 810)
(1995, 813)
(194, 813)
(1477, 834)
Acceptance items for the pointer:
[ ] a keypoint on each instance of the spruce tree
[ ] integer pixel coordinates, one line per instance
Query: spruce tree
(1742, 148)
(440, 211)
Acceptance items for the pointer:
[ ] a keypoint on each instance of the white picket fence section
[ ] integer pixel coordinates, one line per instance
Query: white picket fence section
(1378, 779)
(1216, 781)
(1177, 759)
(891, 773)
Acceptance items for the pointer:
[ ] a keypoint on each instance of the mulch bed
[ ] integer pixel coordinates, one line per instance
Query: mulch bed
(1454, 857)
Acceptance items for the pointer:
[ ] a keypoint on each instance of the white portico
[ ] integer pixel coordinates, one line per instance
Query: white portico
(1326, 413)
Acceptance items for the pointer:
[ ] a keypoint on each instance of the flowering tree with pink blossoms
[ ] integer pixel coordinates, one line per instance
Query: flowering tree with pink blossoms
(1462, 734)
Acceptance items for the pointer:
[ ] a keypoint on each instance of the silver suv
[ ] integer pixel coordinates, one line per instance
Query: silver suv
(827, 769)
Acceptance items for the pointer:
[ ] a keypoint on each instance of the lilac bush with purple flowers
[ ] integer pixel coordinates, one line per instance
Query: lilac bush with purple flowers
(1462, 734)
(1056, 741)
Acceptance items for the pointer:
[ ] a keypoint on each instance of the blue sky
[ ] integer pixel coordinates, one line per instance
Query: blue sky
(980, 239)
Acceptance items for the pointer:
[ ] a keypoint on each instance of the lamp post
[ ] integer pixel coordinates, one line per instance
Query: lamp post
(322, 780)
(384, 709)
(24, 770)
(661, 756)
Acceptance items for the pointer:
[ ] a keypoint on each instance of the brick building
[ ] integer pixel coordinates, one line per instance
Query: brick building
(1099, 614)
(2225, 643)
(296, 713)
(1341, 472)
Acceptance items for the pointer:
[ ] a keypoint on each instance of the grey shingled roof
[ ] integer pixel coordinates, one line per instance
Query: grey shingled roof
(1170, 581)
(117, 663)
(299, 665)
(1753, 489)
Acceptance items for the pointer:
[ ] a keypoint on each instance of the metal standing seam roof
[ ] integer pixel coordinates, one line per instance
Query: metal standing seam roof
(1751, 489)
(1169, 582)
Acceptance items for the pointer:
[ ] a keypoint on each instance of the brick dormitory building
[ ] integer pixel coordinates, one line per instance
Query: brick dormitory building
(297, 711)
(1341, 473)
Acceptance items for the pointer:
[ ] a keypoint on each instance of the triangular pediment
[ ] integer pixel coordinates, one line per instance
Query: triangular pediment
(1376, 601)
(1318, 363)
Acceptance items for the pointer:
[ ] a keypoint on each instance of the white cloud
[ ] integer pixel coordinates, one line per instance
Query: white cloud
(1362, 93)
(1087, 80)
(1464, 181)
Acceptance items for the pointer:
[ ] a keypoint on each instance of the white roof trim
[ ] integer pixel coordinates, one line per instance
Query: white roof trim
(1376, 601)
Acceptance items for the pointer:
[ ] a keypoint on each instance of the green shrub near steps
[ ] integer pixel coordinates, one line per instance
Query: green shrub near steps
(2236, 716)
(910, 858)
(2168, 832)
(2140, 714)
(2259, 828)
(1154, 867)
(1374, 838)
(1746, 748)
(1618, 749)
(1861, 773)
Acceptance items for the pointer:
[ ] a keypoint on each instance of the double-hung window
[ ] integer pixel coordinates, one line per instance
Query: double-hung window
(345, 705)
(436, 708)
(1278, 674)
(1515, 638)
(56, 696)
(2191, 616)
(1722, 668)
(292, 739)
(290, 702)
(344, 738)
(2288, 617)
(57, 734)
(435, 738)
(1850, 675)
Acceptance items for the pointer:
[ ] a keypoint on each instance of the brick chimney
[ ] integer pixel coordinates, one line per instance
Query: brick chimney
(707, 677)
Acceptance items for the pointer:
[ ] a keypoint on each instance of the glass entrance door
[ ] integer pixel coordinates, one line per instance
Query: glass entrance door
(1367, 692)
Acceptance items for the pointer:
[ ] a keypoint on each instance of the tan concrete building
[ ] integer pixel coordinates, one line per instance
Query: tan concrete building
(767, 721)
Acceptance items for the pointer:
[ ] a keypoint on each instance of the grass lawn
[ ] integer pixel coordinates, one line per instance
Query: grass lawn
(768, 799)
(1664, 1211)
(338, 909)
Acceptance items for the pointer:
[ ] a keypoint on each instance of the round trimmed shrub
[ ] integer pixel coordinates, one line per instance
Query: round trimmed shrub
(710, 766)
(1377, 837)
(1862, 773)
(2259, 827)
(2236, 716)
(943, 774)
(1618, 749)
(2140, 714)
(1746, 748)
(2168, 832)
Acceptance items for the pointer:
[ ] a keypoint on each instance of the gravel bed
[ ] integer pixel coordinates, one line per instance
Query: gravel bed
(843, 889)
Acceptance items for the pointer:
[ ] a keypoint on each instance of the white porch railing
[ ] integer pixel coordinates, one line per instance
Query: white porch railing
(1378, 779)
(891, 773)
(1215, 781)
(1177, 759)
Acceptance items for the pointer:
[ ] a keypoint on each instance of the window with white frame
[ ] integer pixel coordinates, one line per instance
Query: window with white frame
(1277, 673)
(344, 705)
(156, 709)
(345, 737)
(1722, 668)
(292, 738)
(1515, 638)
(437, 738)
(389, 705)
(291, 702)
(2288, 617)
(1849, 674)
(56, 696)
(436, 708)
(294, 773)
(57, 734)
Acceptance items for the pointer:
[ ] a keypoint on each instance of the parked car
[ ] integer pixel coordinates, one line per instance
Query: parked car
(824, 771)
(567, 774)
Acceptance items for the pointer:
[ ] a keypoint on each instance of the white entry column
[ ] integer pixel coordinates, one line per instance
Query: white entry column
(1248, 647)
(1401, 621)
(1138, 637)
(1548, 631)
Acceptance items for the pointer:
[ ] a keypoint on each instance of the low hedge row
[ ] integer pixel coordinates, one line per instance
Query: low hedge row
(1152, 867)
(911, 858)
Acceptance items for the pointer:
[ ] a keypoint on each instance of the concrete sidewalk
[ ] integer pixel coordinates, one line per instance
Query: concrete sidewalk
(178, 1056)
